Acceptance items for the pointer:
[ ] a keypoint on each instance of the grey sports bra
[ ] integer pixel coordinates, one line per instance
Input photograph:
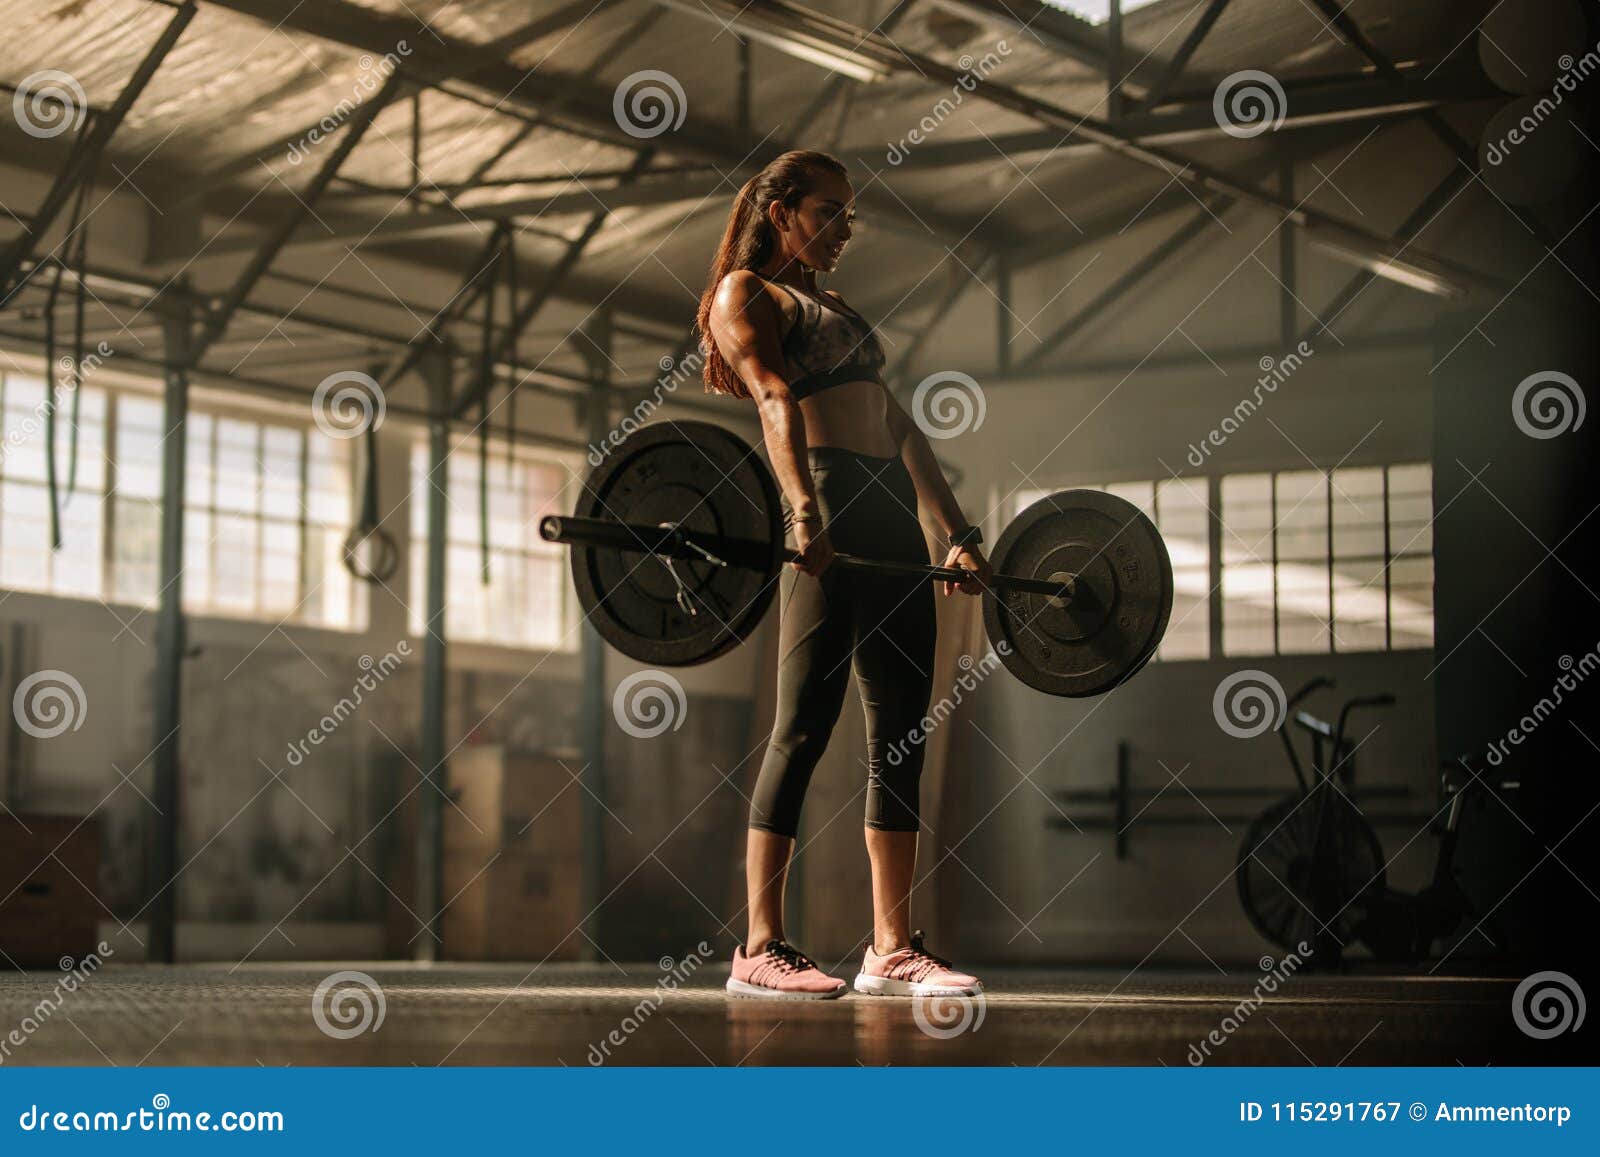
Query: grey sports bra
(829, 343)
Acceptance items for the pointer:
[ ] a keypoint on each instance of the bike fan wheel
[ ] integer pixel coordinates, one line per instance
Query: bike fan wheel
(1278, 887)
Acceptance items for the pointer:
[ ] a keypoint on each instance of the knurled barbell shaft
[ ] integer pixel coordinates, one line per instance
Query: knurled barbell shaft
(674, 542)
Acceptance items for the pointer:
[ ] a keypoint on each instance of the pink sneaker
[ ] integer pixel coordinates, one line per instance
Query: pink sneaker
(912, 971)
(781, 972)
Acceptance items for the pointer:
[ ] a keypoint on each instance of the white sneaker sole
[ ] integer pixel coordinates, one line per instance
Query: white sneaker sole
(884, 986)
(749, 991)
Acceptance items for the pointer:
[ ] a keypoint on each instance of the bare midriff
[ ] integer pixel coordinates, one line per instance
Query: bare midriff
(852, 416)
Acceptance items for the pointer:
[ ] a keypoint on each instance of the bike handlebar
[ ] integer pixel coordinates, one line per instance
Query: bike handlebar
(1383, 699)
(1316, 684)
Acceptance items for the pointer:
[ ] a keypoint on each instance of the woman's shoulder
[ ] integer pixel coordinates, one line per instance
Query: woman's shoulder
(739, 287)
(743, 283)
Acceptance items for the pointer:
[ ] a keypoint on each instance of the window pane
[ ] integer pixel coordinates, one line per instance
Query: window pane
(78, 568)
(1411, 602)
(329, 482)
(1359, 605)
(235, 556)
(1022, 499)
(137, 551)
(198, 488)
(1360, 609)
(280, 472)
(1141, 494)
(1411, 509)
(524, 603)
(139, 446)
(1301, 507)
(238, 472)
(280, 567)
(25, 561)
(24, 428)
(196, 559)
(91, 472)
(1247, 586)
(1184, 523)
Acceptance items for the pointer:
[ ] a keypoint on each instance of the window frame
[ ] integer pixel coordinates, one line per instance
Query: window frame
(110, 496)
(1212, 485)
(565, 633)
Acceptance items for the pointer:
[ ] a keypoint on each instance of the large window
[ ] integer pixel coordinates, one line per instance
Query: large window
(1312, 562)
(26, 560)
(267, 505)
(1178, 508)
(527, 601)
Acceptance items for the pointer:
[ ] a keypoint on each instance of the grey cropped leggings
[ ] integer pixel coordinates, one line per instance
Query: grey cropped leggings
(882, 626)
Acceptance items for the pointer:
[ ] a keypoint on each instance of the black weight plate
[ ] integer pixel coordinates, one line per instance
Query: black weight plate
(704, 478)
(1122, 593)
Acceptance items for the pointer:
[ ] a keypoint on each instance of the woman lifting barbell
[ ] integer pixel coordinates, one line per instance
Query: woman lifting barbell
(853, 468)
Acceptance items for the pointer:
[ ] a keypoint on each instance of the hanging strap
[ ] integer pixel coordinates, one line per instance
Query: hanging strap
(52, 483)
(485, 382)
(370, 552)
(511, 322)
(79, 305)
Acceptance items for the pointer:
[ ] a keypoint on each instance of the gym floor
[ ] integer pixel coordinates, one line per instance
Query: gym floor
(566, 1014)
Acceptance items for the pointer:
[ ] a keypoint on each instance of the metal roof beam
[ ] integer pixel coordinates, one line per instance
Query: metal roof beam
(1349, 240)
(85, 153)
(473, 72)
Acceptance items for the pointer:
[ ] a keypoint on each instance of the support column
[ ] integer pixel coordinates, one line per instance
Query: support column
(1289, 318)
(1214, 601)
(429, 836)
(592, 682)
(162, 851)
(1002, 293)
(1114, 98)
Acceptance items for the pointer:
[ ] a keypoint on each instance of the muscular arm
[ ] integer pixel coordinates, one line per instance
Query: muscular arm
(747, 325)
(915, 451)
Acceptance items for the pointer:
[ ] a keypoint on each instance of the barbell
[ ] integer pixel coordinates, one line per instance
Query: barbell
(678, 536)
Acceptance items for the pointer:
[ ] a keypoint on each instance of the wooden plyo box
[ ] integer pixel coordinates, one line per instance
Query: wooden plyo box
(49, 866)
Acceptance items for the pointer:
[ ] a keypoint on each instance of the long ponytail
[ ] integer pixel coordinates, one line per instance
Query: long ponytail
(748, 242)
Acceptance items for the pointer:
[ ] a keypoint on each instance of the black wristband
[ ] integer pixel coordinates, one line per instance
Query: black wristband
(969, 536)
